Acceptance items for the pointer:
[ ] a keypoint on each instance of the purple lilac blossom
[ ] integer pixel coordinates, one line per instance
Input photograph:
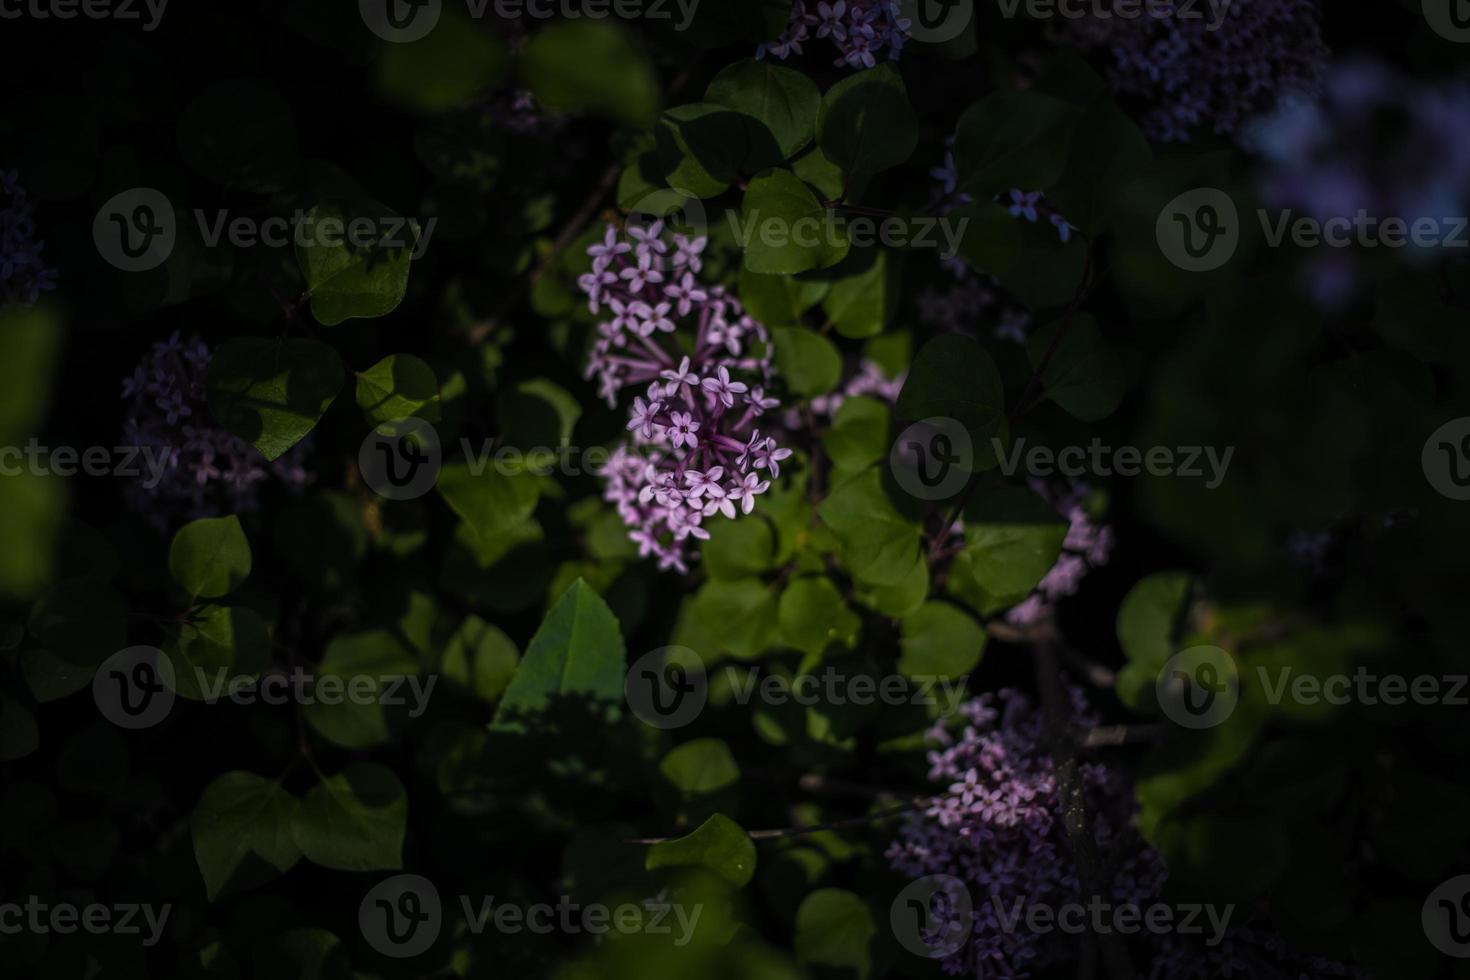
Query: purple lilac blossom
(23, 274)
(701, 441)
(207, 471)
(999, 829)
(1375, 143)
(998, 826)
(1087, 546)
(959, 308)
(860, 30)
(1216, 70)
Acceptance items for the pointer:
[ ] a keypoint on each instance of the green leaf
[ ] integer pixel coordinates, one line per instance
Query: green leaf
(953, 377)
(271, 393)
(719, 844)
(242, 826)
(493, 502)
(1084, 375)
(701, 148)
(397, 387)
(785, 229)
(354, 821)
(577, 652)
(480, 658)
(362, 668)
(780, 99)
(1148, 624)
(813, 615)
(778, 301)
(577, 66)
(862, 305)
(737, 549)
(879, 543)
(365, 277)
(1030, 260)
(210, 557)
(1013, 139)
(866, 124)
(859, 436)
(808, 361)
(220, 643)
(449, 67)
(538, 414)
(1012, 539)
(835, 928)
(737, 617)
(701, 776)
(940, 640)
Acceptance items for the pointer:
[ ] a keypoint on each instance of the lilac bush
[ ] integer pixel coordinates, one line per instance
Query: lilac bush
(1088, 545)
(701, 442)
(862, 31)
(23, 274)
(1194, 73)
(207, 471)
(1376, 142)
(999, 829)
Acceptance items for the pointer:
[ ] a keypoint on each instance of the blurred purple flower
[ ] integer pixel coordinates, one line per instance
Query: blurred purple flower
(23, 274)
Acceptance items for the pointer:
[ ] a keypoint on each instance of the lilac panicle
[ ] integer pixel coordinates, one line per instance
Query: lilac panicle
(1088, 545)
(23, 274)
(207, 471)
(701, 441)
(862, 31)
(1211, 71)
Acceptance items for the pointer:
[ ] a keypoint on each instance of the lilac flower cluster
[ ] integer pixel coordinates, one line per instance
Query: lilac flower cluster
(1247, 951)
(861, 30)
(23, 275)
(999, 829)
(1087, 546)
(698, 447)
(1375, 142)
(207, 470)
(1191, 71)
